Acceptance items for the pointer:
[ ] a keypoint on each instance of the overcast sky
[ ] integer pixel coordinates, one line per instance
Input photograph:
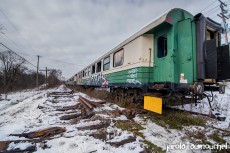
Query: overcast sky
(69, 34)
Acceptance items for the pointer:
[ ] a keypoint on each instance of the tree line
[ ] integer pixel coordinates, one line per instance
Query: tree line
(14, 75)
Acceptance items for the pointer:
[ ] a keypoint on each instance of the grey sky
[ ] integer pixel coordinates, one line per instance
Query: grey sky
(80, 31)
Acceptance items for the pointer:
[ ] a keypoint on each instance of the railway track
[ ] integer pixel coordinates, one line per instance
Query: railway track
(78, 114)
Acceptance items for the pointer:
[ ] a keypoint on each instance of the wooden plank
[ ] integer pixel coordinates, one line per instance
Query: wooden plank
(94, 127)
(32, 148)
(122, 142)
(57, 93)
(42, 133)
(4, 144)
(85, 103)
(69, 117)
(96, 104)
(69, 107)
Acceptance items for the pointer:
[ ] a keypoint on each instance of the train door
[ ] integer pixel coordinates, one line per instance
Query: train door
(162, 66)
(184, 71)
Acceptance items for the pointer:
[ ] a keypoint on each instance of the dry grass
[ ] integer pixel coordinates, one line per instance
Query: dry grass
(152, 147)
(169, 118)
(216, 137)
(135, 128)
(99, 94)
(121, 100)
(197, 136)
(131, 126)
(175, 119)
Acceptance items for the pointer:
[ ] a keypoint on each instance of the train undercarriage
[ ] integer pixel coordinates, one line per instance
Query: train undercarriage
(165, 94)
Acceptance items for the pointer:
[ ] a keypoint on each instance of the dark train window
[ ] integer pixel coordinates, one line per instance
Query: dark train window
(99, 66)
(93, 69)
(83, 74)
(118, 58)
(89, 71)
(86, 72)
(162, 46)
(106, 63)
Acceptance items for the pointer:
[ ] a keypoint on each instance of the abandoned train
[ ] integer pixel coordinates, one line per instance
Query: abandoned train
(177, 55)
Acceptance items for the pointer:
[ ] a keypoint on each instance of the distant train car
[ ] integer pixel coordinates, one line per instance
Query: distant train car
(177, 55)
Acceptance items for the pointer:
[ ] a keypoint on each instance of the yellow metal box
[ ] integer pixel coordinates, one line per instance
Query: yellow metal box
(153, 104)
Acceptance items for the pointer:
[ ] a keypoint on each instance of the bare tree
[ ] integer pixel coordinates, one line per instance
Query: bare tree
(10, 66)
(54, 78)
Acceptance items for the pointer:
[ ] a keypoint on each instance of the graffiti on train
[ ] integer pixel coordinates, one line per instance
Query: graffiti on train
(132, 76)
(98, 80)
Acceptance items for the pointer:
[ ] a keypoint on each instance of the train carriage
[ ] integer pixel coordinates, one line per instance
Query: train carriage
(177, 54)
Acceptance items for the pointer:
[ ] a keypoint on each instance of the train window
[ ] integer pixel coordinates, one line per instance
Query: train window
(162, 46)
(93, 69)
(106, 63)
(89, 70)
(118, 58)
(99, 66)
(83, 74)
(86, 72)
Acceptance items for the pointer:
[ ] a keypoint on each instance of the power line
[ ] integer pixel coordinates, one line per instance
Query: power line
(223, 16)
(16, 29)
(212, 9)
(18, 55)
(55, 60)
(214, 17)
(14, 45)
(20, 50)
(61, 61)
(208, 6)
(25, 53)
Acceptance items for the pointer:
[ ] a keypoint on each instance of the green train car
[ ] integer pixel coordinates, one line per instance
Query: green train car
(177, 55)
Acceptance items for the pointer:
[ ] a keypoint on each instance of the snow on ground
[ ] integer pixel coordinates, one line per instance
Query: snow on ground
(16, 97)
(220, 104)
(17, 117)
(32, 110)
(160, 136)
(36, 111)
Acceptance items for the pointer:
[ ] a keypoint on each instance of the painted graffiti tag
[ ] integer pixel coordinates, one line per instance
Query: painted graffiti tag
(133, 81)
(98, 80)
(132, 71)
(132, 76)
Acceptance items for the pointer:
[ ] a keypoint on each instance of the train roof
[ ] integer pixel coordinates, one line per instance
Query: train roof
(156, 22)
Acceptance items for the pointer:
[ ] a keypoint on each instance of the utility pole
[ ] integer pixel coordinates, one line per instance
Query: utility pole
(223, 16)
(46, 80)
(37, 72)
(46, 76)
